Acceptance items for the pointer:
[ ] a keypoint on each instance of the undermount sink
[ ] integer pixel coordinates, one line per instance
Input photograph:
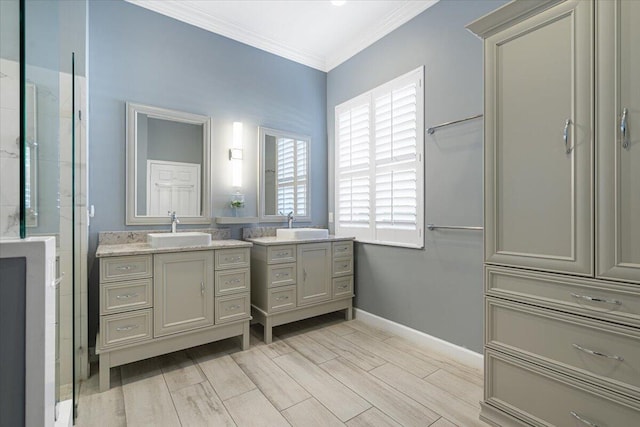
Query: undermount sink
(301, 233)
(173, 240)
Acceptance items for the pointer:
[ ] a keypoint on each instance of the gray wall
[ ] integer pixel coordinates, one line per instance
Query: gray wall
(140, 56)
(13, 279)
(437, 290)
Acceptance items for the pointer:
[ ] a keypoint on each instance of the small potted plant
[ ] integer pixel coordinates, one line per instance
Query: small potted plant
(237, 203)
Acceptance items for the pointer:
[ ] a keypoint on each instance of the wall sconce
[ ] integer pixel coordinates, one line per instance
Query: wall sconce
(235, 155)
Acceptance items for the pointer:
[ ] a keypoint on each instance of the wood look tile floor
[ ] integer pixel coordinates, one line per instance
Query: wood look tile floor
(318, 372)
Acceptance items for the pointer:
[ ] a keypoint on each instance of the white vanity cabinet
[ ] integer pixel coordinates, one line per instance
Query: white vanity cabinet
(562, 205)
(294, 280)
(161, 301)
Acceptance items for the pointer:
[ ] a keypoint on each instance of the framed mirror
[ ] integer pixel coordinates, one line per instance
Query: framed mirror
(283, 178)
(168, 166)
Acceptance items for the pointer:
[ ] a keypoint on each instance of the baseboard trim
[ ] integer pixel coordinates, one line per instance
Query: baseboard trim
(457, 353)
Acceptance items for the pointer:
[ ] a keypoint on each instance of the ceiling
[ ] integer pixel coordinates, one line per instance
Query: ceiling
(312, 32)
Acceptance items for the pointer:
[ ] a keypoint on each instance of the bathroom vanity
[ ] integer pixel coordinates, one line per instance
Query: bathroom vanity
(296, 279)
(159, 300)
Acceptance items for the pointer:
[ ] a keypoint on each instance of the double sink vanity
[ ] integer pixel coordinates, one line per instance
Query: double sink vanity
(163, 292)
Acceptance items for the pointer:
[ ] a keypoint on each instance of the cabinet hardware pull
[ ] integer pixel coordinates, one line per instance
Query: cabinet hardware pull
(228, 282)
(582, 420)
(342, 286)
(597, 353)
(127, 328)
(596, 299)
(282, 253)
(565, 135)
(304, 274)
(233, 307)
(623, 128)
(279, 275)
(345, 265)
(202, 288)
(126, 296)
(341, 249)
(124, 268)
(282, 298)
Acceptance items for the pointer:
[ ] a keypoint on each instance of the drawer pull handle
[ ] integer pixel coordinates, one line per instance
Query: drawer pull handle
(126, 296)
(596, 299)
(228, 282)
(279, 275)
(597, 353)
(282, 298)
(232, 307)
(341, 249)
(582, 420)
(623, 128)
(125, 267)
(233, 259)
(127, 328)
(202, 288)
(345, 265)
(343, 286)
(282, 253)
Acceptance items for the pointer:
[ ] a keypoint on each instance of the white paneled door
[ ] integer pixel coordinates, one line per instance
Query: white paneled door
(174, 187)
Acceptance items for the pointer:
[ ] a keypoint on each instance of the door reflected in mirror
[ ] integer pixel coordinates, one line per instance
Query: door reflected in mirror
(284, 176)
(168, 165)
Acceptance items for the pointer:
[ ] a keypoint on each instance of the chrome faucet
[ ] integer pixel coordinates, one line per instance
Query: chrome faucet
(290, 219)
(174, 221)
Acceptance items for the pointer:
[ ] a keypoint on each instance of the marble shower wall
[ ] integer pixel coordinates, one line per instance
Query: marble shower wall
(9, 149)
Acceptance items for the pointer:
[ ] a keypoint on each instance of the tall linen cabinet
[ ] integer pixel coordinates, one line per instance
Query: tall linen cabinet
(562, 213)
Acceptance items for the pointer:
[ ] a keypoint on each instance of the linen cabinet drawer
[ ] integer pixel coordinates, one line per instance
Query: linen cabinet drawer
(231, 258)
(125, 268)
(126, 296)
(281, 275)
(282, 298)
(342, 249)
(342, 266)
(616, 302)
(542, 397)
(233, 307)
(281, 254)
(343, 287)
(125, 328)
(606, 354)
(232, 281)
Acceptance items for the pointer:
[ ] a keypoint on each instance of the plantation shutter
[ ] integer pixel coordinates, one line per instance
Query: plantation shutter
(380, 174)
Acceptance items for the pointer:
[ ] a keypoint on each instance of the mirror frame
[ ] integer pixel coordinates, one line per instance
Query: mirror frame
(262, 216)
(131, 177)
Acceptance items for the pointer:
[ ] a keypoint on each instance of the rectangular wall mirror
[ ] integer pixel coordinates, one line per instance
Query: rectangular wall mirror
(168, 166)
(283, 180)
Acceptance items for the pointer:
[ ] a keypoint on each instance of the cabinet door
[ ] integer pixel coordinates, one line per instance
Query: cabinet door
(618, 146)
(183, 291)
(314, 273)
(538, 141)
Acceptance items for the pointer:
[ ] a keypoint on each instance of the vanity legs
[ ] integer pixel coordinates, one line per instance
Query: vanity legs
(348, 313)
(105, 369)
(268, 326)
(245, 336)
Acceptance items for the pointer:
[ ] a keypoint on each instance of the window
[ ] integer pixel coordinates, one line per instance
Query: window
(379, 183)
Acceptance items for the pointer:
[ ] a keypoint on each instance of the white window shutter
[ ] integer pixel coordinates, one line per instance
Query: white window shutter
(379, 165)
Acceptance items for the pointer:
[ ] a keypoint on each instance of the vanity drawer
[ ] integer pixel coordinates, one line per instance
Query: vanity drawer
(231, 258)
(126, 296)
(342, 249)
(546, 398)
(616, 302)
(282, 298)
(343, 287)
(125, 268)
(125, 328)
(281, 274)
(233, 307)
(600, 352)
(232, 281)
(342, 266)
(281, 254)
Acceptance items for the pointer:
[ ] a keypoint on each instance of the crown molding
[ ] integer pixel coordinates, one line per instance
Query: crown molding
(406, 11)
(184, 12)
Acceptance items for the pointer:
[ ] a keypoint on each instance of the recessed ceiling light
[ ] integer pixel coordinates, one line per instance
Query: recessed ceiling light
(338, 2)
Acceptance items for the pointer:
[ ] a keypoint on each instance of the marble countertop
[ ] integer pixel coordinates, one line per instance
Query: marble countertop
(145, 248)
(269, 241)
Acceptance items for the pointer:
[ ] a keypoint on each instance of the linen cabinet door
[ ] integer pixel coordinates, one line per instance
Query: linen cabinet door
(618, 146)
(538, 142)
(183, 291)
